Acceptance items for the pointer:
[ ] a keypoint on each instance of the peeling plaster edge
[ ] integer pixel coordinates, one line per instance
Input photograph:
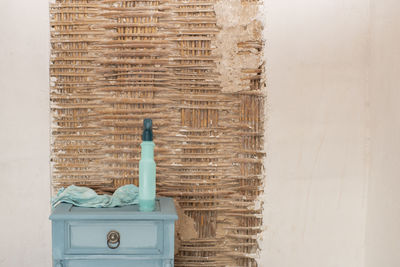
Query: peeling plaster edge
(262, 16)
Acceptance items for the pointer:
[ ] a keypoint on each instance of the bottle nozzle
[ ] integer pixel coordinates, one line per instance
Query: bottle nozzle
(147, 130)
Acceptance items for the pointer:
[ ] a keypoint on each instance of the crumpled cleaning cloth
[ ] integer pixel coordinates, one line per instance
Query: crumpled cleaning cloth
(86, 197)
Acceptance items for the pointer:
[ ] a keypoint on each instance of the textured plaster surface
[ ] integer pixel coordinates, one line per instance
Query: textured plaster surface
(383, 216)
(24, 134)
(316, 186)
(184, 227)
(238, 23)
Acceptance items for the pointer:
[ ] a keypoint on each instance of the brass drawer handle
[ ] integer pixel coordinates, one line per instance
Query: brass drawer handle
(113, 239)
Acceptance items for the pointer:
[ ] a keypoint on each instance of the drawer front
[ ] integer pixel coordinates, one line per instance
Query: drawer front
(112, 263)
(135, 237)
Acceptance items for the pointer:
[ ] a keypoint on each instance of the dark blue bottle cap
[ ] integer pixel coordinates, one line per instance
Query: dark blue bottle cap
(147, 130)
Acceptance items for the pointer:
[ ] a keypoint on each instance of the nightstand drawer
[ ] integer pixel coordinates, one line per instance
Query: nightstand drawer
(114, 237)
(112, 263)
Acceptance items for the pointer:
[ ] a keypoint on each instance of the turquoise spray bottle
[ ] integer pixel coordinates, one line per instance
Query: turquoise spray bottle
(147, 169)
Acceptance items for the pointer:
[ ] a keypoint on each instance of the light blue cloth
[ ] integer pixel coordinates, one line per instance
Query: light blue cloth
(87, 197)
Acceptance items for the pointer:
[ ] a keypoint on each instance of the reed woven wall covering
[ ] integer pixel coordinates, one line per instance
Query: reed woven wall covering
(114, 63)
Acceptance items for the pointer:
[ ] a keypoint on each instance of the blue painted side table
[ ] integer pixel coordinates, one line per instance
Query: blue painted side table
(113, 237)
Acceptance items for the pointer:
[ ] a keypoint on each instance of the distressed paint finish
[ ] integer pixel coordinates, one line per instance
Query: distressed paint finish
(146, 238)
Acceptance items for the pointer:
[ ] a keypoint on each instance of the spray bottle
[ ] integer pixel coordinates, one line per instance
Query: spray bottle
(147, 169)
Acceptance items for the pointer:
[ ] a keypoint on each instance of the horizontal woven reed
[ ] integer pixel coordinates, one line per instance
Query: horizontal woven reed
(114, 63)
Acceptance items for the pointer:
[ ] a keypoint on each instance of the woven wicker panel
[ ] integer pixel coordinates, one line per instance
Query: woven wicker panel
(76, 139)
(114, 63)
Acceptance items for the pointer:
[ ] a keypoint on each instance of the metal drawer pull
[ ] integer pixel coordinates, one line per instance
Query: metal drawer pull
(113, 239)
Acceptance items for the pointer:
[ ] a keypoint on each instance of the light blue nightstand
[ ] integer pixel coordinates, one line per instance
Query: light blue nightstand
(114, 237)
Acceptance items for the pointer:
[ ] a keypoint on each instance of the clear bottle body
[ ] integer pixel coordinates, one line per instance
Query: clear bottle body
(147, 177)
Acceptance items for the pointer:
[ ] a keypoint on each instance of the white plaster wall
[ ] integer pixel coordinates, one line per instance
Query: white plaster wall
(383, 216)
(317, 70)
(25, 234)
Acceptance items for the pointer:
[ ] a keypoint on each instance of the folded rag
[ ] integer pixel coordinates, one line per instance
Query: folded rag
(87, 197)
